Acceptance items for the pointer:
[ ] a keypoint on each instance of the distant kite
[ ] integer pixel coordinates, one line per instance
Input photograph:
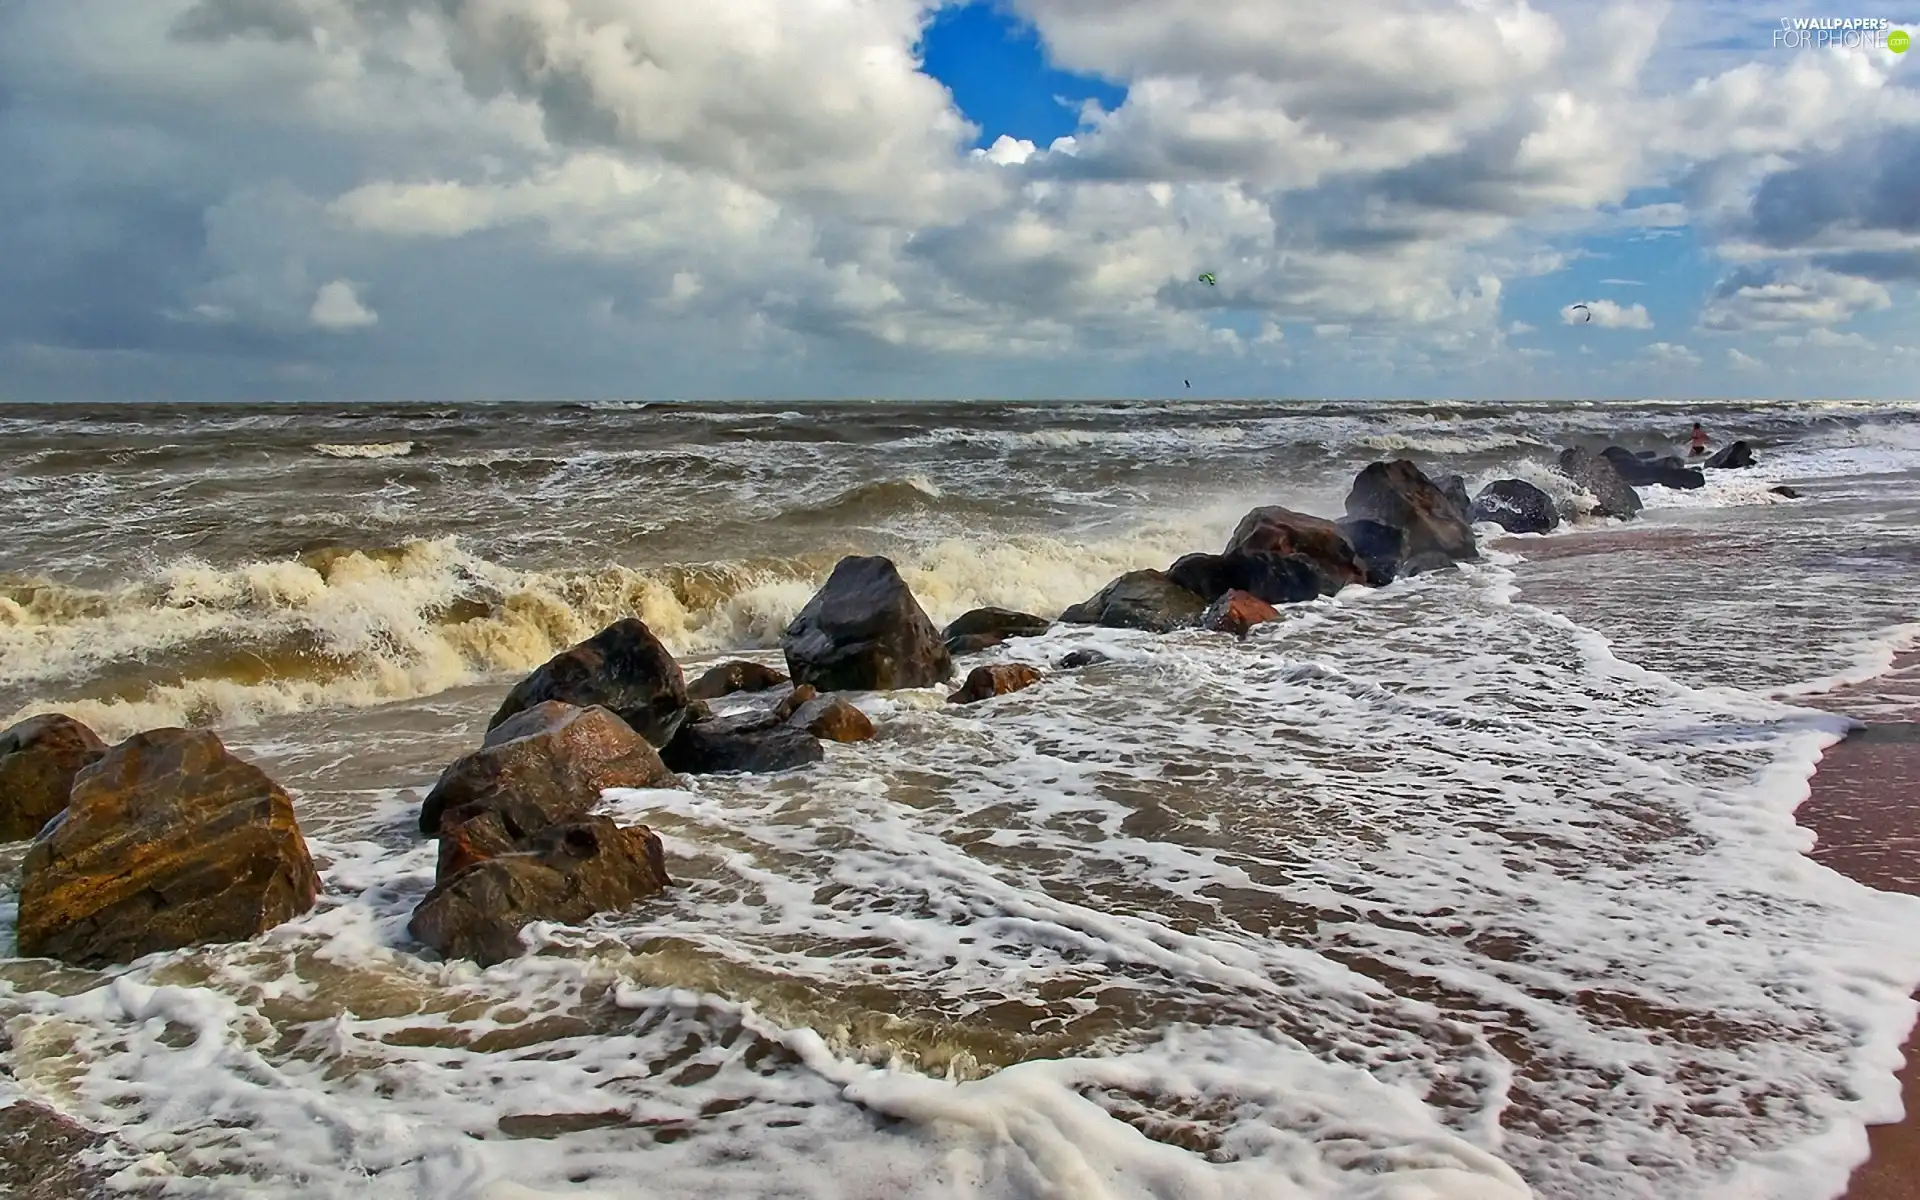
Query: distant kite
(1207, 279)
(1581, 308)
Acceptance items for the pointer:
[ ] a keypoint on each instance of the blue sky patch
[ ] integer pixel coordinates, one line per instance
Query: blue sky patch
(998, 72)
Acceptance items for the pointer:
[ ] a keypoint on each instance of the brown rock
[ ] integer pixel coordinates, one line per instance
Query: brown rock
(752, 746)
(791, 704)
(38, 760)
(44, 1154)
(473, 835)
(995, 679)
(1238, 612)
(833, 719)
(566, 874)
(1276, 530)
(546, 764)
(737, 676)
(1400, 495)
(168, 841)
(623, 669)
(864, 631)
(982, 628)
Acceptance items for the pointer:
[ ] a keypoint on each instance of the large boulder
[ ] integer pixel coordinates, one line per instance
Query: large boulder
(1667, 472)
(1516, 506)
(752, 746)
(995, 679)
(167, 841)
(740, 675)
(1732, 457)
(38, 759)
(1378, 546)
(623, 669)
(1400, 495)
(544, 765)
(864, 631)
(1275, 578)
(1146, 600)
(566, 874)
(1613, 496)
(1237, 613)
(982, 628)
(1275, 530)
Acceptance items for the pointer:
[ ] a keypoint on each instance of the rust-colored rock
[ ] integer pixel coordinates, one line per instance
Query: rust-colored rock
(38, 759)
(546, 764)
(1275, 530)
(167, 841)
(1237, 612)
(566, 874)
(739, 675)
(623, 669)
(833, 719)
(792, 703)
(864, 631)
(995, 679)
(473, 835)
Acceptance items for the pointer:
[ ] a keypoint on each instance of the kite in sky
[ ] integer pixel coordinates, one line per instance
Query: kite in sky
(1207, 279)
(1583, 309)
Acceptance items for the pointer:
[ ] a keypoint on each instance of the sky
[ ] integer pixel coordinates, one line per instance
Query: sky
(577, 199)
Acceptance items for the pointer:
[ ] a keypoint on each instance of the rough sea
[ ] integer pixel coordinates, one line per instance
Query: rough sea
(1480, 886)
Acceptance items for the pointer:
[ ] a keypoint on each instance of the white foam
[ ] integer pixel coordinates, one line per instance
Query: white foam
(364, 449)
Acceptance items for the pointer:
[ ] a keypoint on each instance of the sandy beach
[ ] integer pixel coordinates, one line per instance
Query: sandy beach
(1862, 810)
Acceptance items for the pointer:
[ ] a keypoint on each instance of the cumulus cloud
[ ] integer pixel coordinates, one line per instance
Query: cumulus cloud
(1771, 297)
(1606, 314)
(740, 186)
(335, 306)
(1670, 354)
(1743, 362)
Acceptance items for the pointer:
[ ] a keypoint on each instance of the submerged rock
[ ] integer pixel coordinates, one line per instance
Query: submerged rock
(864, 631)
(1397, 493)
(545, 764)
(566, 874)
(740, 675)
(995, 679)
(1733, 457)
(1146, 600)
(1784, 490)
(168, 840)
(983, 628)
(1516, 506)
(38, 759)
(1275, 530)
(1377, 545)
(1668, 471)
(623, 669)
(1613, 496)
(1237, 613)
(1075, 660)
(751, 747)
(833, 719)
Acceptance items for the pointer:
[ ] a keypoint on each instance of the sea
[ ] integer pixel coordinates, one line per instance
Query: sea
(1479, 886)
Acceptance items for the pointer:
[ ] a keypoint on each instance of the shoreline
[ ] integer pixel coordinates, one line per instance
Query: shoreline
(1861, 811)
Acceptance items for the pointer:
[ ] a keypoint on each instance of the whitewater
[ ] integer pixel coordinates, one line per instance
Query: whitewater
(1480, 886)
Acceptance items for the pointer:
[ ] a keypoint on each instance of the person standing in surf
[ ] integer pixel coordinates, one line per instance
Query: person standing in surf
(1699, 441)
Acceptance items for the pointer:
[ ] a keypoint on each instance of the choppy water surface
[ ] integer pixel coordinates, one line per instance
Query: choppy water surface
(1477, 886)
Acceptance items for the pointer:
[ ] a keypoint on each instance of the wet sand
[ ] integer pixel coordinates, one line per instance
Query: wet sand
(1863, 810)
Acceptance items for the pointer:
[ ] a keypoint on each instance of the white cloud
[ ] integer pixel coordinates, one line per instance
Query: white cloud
(1669, 354)
(336, 307)
(1606, 314)
(1517, 328)
(1820, 337)
(1770, 298)
(1743, 362)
